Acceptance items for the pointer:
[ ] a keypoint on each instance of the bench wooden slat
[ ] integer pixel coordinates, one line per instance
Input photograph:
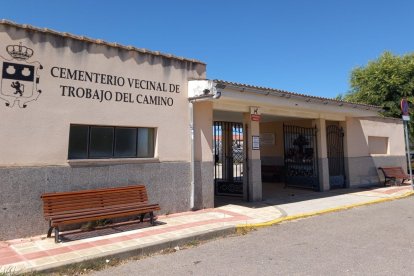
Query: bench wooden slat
(67, 217)
(65, 208)
(99, 217)
(97, 210)
(96, 215)
(58, 201)
(81, 197)
(101, 202)
(77, 203)
(90, 192)
(82, 207)
(94, 191)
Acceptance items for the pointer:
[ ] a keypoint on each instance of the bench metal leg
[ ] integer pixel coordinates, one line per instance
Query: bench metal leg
(141, 217)
(152, 218)
(49, 232)
(389, 179)
(57, 240)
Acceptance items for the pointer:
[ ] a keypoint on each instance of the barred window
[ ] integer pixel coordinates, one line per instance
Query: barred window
(94, 142)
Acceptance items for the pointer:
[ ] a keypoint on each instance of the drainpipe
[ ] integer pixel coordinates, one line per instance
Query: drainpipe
(191, 109)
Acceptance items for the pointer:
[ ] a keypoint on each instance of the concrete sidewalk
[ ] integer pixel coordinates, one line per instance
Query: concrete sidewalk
(130, 239)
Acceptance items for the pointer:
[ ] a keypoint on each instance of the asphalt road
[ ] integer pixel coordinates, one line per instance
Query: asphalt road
(370, 240)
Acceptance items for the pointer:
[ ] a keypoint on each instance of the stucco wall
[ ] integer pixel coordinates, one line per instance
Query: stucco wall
(362, 166)
(34, 144)
(44, 123)
(203, 155)
(359, 129)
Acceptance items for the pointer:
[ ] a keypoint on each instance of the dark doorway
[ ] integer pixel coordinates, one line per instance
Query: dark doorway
(335, 147)
(228, 158)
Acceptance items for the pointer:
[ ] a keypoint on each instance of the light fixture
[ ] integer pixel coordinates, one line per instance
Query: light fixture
(217, 95)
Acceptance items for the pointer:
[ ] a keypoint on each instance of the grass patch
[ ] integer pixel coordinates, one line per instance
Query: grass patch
(82, 268)
(245, 230)
(14, 272)
(88, 266)
(192, 243)
(8, 272)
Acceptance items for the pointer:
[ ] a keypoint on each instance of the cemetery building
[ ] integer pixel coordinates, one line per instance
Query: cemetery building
(79, 113)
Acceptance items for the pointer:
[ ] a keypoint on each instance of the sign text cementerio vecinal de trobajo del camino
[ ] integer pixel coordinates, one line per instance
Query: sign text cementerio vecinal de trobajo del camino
(160, 91)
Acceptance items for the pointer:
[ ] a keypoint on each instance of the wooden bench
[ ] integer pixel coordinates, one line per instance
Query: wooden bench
(394, 173)
(65, 208)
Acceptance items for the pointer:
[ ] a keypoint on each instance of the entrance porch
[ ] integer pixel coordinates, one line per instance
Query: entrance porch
(268, 142)
(288, 150)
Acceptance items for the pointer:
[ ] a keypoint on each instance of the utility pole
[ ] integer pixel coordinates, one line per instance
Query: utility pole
(406, 119)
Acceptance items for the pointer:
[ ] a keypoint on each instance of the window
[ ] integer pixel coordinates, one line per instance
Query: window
(126, 142)
(93, 142)
(101, 140)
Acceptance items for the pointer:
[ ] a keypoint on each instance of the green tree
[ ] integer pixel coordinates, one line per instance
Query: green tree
(384, 82)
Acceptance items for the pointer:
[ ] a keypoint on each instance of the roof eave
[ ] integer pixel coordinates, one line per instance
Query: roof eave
(96, 41)
(286, 94)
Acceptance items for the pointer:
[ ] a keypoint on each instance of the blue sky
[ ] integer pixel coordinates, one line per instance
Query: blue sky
(301, 46)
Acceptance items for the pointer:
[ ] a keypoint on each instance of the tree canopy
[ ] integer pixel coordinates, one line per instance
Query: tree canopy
(384, 82)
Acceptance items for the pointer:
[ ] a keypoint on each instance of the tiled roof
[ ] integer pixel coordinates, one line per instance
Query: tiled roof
(307, 98)
(96, 41)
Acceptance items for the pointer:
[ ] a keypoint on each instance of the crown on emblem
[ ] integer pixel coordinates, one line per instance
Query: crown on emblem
(19, 52)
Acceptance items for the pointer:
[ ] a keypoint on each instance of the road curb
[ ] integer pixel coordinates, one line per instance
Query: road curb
(242, 227)
(139, 250)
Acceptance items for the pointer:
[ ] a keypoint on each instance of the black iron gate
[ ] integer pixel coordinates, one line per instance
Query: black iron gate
(335, 147)
(301, 160)
(228, 158)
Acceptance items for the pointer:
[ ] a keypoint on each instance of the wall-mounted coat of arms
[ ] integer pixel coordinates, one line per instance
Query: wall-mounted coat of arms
(19, 77)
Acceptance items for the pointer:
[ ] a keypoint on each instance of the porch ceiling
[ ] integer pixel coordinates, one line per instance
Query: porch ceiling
(230, 116)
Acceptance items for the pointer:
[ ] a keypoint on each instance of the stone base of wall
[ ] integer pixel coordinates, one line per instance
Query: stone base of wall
(204, 185)
(363, 171)
(20, 189)
(252, 182)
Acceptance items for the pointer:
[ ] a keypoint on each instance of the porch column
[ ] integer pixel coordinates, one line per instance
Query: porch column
(252, 181)
(203, 155)
(323, 164)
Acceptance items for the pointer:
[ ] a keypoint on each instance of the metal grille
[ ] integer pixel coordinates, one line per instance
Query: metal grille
(301, 160)
(335, 147)
(228, 158)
